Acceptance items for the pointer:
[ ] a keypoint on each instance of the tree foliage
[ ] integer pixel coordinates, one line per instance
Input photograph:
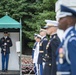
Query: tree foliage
(32, 13)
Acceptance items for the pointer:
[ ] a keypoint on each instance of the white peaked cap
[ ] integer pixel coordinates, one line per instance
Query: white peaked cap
(66, 11)
(51, 23)
(42, 30)
(39, 36)
(63, 14)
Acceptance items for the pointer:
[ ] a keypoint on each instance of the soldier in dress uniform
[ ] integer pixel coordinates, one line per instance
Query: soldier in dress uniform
(66, 52)
(33, 50)
(36, 53)
(52, 45)
(35, 36)
(42, 50)
(5, 44)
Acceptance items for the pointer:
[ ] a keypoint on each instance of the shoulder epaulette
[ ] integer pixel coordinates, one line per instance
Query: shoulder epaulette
(72, 37)
(54, 37)
(45, 38)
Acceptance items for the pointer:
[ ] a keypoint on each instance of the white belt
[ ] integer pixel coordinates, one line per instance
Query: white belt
(60, 73)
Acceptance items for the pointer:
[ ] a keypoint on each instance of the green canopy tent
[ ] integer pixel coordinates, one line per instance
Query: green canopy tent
(8, 22)
(11, 25)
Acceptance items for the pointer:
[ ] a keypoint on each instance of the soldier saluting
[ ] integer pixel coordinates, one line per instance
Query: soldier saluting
(5, 44)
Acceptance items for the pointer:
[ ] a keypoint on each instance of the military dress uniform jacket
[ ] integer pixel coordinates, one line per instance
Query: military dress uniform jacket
(68, 62)
(51, 55)
(7, 47)
(42, 50)
(33, 50)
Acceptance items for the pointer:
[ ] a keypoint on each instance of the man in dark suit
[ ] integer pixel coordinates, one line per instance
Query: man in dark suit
(67, 50)
(5, 44)
(52, 45)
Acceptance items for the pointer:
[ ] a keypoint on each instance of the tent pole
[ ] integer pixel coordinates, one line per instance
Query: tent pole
(21, 50)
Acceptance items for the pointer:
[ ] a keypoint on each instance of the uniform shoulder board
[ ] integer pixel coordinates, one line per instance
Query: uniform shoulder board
(72, 38)
(45, 38)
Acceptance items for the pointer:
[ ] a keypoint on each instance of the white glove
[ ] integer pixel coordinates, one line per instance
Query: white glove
(5, 43)
(4, 49)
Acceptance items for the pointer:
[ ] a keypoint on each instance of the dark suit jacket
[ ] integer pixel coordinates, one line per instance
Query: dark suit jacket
(7, 47)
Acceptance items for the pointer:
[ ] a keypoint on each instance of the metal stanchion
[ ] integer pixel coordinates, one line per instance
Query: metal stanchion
(18, 50)
(20, 68)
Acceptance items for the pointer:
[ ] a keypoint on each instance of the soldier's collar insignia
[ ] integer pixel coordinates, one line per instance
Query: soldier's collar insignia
(45, 38)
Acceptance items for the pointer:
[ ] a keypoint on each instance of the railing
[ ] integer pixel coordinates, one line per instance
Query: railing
(27, 65)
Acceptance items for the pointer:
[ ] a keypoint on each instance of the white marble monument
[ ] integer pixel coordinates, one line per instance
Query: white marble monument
(69, 3)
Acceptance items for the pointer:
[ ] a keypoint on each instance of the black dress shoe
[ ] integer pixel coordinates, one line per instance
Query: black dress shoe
(3, 70)
(6, 70)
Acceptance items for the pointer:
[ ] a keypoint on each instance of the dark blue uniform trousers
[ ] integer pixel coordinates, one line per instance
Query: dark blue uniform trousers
(41, 69)
(5, 59)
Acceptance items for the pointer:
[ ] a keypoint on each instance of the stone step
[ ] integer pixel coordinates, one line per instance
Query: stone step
(10, 72)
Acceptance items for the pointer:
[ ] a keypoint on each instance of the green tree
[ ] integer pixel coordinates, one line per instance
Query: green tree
(32, 13)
